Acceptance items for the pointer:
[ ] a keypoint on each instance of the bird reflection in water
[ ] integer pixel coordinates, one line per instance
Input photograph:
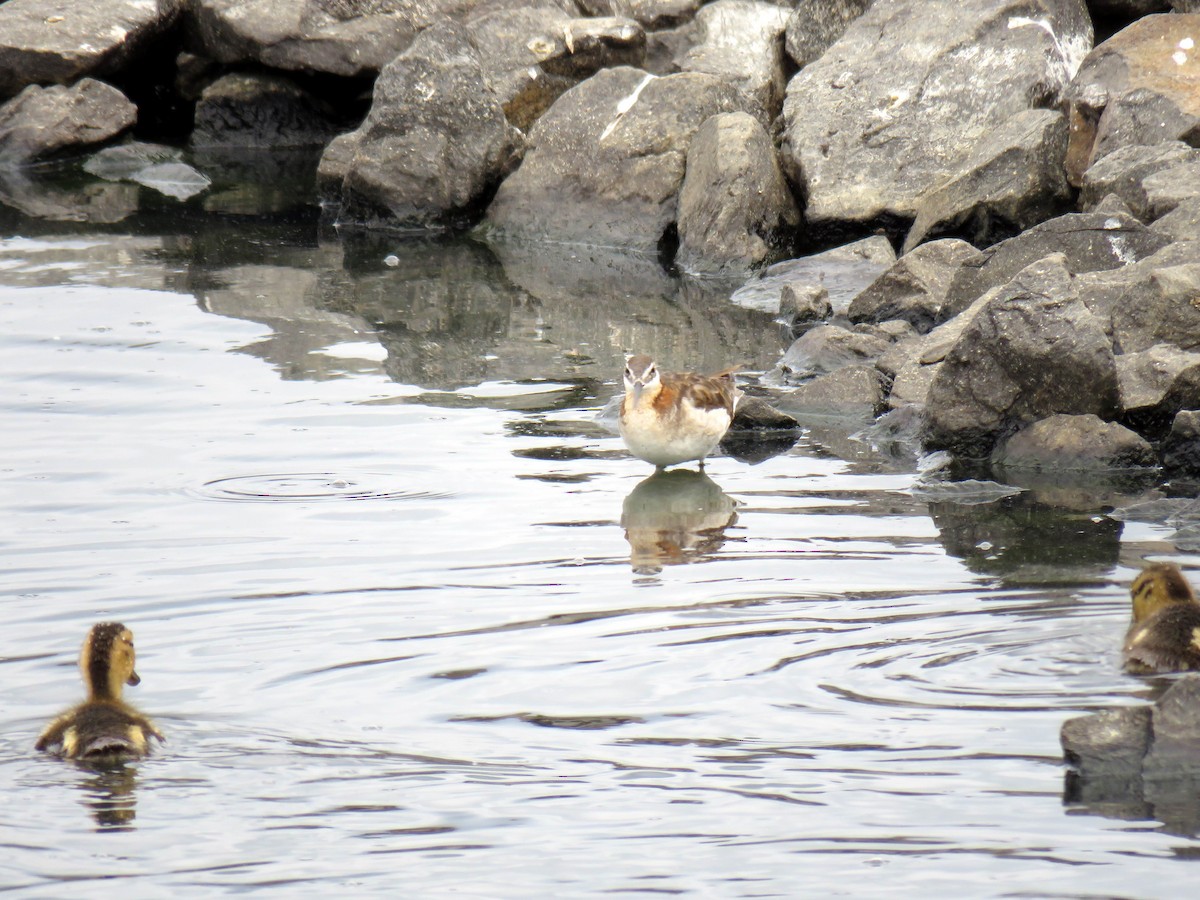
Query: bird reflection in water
(673, 517)
(110, 789)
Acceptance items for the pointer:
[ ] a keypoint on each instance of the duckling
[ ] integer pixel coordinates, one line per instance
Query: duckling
(103, 726)
(1165, 633)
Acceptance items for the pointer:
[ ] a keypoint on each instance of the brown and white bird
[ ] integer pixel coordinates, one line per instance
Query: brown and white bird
(673, 417)
(103, 727)
(1165, 633)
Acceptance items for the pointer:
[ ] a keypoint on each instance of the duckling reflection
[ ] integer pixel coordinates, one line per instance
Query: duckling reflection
(111, 793)
(1164, 635)
(104, 726)
(675, 517)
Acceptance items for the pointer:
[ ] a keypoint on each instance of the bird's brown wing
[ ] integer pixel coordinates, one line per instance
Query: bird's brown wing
(1167, 641)
(705, 392)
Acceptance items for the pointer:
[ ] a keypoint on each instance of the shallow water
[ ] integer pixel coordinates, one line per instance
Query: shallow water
(408, 615)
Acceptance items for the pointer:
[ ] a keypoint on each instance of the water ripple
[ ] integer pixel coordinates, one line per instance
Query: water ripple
(308, 487)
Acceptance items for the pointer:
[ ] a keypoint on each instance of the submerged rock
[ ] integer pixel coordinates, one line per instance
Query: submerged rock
(1066, 443)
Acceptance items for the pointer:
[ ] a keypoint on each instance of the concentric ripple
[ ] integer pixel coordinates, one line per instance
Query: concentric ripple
(308, 487)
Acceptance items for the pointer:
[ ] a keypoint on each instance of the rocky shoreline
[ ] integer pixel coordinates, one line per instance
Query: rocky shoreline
(1005, 212)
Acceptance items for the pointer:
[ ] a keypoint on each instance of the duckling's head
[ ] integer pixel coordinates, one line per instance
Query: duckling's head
(640, 374)
(1158, 585)
(107, 660)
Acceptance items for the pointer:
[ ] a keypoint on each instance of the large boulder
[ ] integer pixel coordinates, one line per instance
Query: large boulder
(41, 45)
(735, 208)
(898, 104)
(1141, 86)
(338, 37)
(40, 123)
(607, 160)
(1124, 171)
(742, 42)
(433, 163)
(1012, 179)
(1157, 383)
(1033, 350)
(1153, 302)
(1090, 242)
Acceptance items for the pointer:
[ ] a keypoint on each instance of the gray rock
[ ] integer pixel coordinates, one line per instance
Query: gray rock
(814, 25)
(41, 45)
(1111, 742)
(843, 272)
(1175, 721)
(897, 105)
(1089, 241)
(1138, 87)
(1123, 171)
(428, 164)
(40, 123)
(854, 391)
(340, 37)
(1180, 224)
(914, 288)
(754, 413)
(1181, 447)
(1156, 302)
(264, 111)
(1066, 443)
(655, 14)
(1157, 383)
(803, 304)
(735, 208)
(335, 165)
(607, 160)
(1033, 350)
(1167, 189)
(1012, 179)
(910, 386)
(94, 202)
(742, 42)
(826, 349)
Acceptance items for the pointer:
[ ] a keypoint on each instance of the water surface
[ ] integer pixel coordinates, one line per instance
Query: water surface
(410, 616)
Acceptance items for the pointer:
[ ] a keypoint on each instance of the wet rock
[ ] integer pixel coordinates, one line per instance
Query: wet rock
(1155, 301)
(1111, 742)
(1123, 171)
(1012, 180)
(260, 111)
(914, 288)
(1033, 350)
(155, 166)
(41, 198)
(1088, 241)
(897, 105)
(40, 123)
(1181, 447)
(612, 150)
(814, 25)
(433, 163)
(853, 391)
(826, 349)
(1065, 443)
(742, 42)
(910, 387)
(340, 37)
(756, 414)
(1138, 87)
(735, 208)
(40, 45)
(843, 272)
(1157, 383)
(1180, 224)
(804, 304)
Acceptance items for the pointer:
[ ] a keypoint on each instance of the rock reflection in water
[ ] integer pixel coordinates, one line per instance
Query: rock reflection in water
(675, 517)
(110, 790)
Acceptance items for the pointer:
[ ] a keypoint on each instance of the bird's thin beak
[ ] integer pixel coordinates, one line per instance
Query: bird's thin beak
(134, 679)
(638, 387)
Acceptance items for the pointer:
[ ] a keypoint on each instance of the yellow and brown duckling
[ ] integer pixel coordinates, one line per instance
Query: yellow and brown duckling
(104, 726)
(674, 417)
(1165, 633)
